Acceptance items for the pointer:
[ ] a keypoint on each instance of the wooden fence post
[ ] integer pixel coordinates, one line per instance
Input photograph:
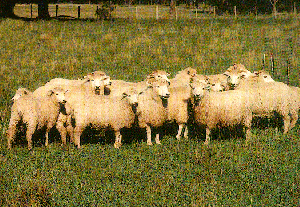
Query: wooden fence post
(234, 8)
(295, 9)
(264, 61)
(214, 11)
(196, 13)
(176, 15)
(78, 12)
(272, 65)
(56, 10)
(156, 12)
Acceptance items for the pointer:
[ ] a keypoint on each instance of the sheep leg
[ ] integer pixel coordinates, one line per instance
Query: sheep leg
(180, 126)
(62, 131)
(70, 129)
(77, 133)
(11, 134)
(12, 129)
(61, 128)
(148, 129)
(207, 140)
(186, 132)
(294, 118)
(157, 139)
(29, 133)
(118, 141)
(286, 125)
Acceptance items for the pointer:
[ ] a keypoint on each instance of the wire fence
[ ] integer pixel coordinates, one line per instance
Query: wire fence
(87, 11)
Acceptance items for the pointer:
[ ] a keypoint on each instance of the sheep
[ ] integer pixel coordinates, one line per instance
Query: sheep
(271, 98)
(152, 107)
(217, 82)
(36, 113)
(20, 92)
(225, 109)
(183, 77)
(255, 78)
(94, 82)
(230, 79)
(178, 103)
(105, 112)
(117, 87)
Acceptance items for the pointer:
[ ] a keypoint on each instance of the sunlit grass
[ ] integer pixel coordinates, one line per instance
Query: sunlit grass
(176, 173)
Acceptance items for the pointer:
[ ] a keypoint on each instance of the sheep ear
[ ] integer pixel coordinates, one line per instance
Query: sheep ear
(50, 92)
(141, 92)
(226, 74)
(243, 76)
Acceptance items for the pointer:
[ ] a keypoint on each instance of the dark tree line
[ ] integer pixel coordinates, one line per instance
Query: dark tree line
(243, 6)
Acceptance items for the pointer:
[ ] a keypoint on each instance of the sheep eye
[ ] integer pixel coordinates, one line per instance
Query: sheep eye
(265, 76)
(213, 84)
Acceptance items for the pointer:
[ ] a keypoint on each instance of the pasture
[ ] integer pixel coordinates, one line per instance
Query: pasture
(177, 173)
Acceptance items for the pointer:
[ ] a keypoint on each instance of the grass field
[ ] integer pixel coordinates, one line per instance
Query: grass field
(176, 173)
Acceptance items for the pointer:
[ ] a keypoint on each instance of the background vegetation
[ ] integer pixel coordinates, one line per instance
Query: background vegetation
(176, 173)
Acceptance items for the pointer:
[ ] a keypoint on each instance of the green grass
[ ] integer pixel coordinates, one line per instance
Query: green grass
(184, 173)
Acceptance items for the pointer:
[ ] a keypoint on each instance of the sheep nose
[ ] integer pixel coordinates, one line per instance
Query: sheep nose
(64, 101)
(97, 87)
(135, 104)
(167, 95)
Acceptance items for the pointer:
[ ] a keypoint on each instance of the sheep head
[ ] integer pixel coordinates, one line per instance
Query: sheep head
(20, 92)
(98, 80)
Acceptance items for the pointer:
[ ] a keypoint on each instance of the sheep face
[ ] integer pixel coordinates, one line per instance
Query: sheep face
(198, 89)
(132, 97)
(215, 83)
(234, 79)
(20, 92)
(159, 75)
(265, 76)
(98, 80)
(59, 94)
(160, 87)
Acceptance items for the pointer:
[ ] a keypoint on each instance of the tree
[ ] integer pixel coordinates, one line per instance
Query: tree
(43, 11)
(274, 2)
(7, 8)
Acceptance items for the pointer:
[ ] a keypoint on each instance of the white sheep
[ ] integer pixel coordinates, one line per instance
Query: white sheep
(254, 79)
(224, 109)
(269, 99)
(20, 92)
(94, 82)
(182, 78)
(118, 87)
(104, 112)
(230, 79)
(152, 107)
(36, 113)
(178, 103)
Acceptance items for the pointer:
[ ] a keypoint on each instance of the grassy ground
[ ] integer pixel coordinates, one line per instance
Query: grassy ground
(184, 173)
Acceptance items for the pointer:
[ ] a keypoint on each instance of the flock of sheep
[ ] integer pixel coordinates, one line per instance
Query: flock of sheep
(214, 101)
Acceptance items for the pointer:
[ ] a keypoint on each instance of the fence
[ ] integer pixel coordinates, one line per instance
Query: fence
(86, 11)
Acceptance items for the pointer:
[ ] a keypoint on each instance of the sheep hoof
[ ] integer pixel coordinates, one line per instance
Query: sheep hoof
(149, 143)
(206, 143)
(178, 137)
(158, 142)
(117, 145)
